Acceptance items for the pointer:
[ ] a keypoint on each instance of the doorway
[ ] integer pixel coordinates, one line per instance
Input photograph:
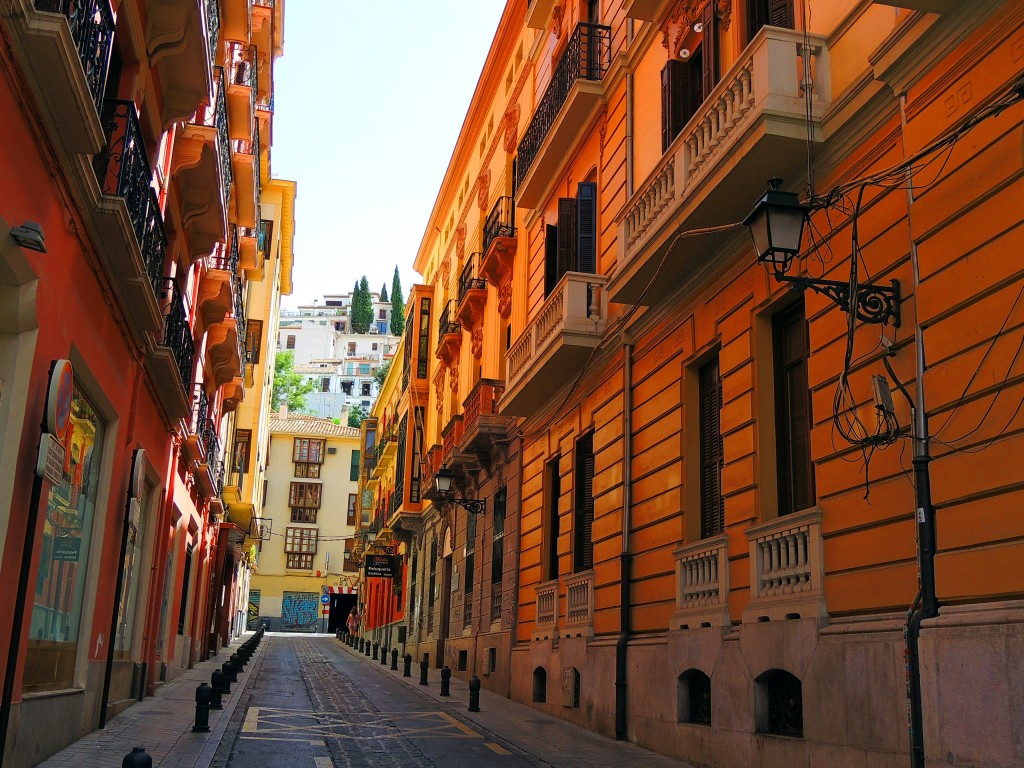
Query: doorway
(340, 607)
(446, 604)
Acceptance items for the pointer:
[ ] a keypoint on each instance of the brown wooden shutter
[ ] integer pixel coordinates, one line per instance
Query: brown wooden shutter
(584, 527)
(780, 13)
(709, 50)
(673, 85)
(550, 259)
(586, 227)
(566, 235)
(793, 410)
(712, 507)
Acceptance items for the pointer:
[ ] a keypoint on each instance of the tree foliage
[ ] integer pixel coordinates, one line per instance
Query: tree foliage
(381, 373)
(356, 414)
(397, 306)
(362, 308)
(289, 387)
(384, 292)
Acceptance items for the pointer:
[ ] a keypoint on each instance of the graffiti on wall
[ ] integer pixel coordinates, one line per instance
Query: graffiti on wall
(253, 615)
(299, 611)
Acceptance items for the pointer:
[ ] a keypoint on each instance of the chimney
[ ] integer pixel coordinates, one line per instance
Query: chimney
(284, 409)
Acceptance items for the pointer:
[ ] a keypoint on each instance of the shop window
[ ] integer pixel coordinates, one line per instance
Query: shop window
(132, 570)
(67, 524)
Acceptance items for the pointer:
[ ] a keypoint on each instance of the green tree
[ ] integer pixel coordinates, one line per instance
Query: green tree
(382, 373)
(397, 306)
(384, 293)
(356, 414)
(362, 308)
(289, 387)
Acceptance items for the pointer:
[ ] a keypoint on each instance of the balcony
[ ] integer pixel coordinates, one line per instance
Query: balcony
(482, 424)
(180, 50)
(645, 10)
(449, 334)
(249, 257)
(240, 512)
(220, 284)
(702, 585)
(202, 166)
(496, 602)
(241, 85)
(226, 348)
(265, 115)
(431, 463)
(194, 447)
(786, 571)
(559, 338)
(170, 364)
(751, 127)
(570, 101)
(451, 439)
(539, 13)
(235, 19)
(546, 626)
(472, 298)
(245, 163)
(129, 224)
(500, 251)
(208, 470)
(67, 47)
(579, 605)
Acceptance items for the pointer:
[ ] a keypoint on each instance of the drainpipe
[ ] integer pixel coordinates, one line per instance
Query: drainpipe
(927, 606)
(629, 118)
(625, 558)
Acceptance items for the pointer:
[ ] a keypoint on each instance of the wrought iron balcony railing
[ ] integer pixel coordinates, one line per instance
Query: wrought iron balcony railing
(495, 601)
(261, 238)
(448, 323)
(178, 332)
(200, 411)
(92, 29)
(122, 169)
(470, 279)
(217, 117)
(501, 221)
(213, 26)
(587, 57)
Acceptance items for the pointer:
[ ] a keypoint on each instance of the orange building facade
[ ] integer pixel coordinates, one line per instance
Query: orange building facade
(706, 479)
(130, 227)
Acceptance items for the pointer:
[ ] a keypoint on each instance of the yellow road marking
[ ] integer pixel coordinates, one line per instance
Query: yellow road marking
(496, 748)
(252, 720)
(460, 725)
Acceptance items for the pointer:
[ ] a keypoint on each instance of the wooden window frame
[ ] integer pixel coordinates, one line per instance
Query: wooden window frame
(353, 498)
(304, 541)
(298, 561)
(710, 451)
(793, 413)
(583, 496)
(308, 449)
(243, 437)
(254, 340)
(304, 515)
(307, 470)
(305, 495)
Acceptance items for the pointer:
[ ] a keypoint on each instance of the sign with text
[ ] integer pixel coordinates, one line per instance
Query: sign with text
(66, 548)
(380, 566)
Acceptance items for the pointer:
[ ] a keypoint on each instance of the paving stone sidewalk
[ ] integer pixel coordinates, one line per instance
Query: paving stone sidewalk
(162, 724)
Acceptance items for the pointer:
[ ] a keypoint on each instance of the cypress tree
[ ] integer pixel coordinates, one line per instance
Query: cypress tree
(362, 308)
(397, 306)
(384, 292)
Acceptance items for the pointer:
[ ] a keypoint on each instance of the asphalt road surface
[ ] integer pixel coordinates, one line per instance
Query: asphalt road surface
(310, 704)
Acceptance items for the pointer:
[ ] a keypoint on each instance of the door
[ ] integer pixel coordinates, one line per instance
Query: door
(446, 605)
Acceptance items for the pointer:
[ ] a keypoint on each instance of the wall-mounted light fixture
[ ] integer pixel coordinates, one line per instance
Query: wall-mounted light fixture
(776, 227)
(30, 235)
(443, 485)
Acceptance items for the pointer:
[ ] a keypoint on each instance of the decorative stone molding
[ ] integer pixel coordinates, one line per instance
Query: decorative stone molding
(556, 20)
(786, 569)
(460, 243)
(602, 131)
(483, 188)
(445, 271)
(702, 585)
(511, 128)
(476, 340)
(723, 10)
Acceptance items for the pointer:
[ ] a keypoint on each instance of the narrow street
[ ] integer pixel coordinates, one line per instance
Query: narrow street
(312, 703)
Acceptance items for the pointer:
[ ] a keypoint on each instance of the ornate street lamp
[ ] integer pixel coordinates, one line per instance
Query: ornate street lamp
(443, 485)
(776, 227)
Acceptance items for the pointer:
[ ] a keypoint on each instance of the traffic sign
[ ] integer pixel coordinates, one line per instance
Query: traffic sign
(58, 397)
(325, 599)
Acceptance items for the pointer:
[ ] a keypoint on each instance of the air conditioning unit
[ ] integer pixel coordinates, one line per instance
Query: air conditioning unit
(373, 329)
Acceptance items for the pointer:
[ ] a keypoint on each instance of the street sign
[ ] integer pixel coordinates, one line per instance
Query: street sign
(66, 548)
(50, 461)
(325, 599)
(380, 566)
(58, 397)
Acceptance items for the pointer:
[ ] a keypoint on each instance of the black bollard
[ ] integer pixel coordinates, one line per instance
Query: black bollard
(394, 659)
(237, 661)
(474, 694)
(229, 673)
(383, 655)
(376, 646)
(361, 641)
(367, 649)
(216, 689)
(446, 680)
(407, 663)
(203, 696)
(423, 670)
(137, 758)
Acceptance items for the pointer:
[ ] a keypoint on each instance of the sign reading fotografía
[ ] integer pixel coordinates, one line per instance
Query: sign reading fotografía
(380, 566)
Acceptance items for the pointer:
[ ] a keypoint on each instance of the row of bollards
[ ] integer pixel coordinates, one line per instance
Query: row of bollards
(207, 696)
(379, 651)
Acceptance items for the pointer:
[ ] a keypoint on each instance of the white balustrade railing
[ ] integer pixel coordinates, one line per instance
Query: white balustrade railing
(702, 584)
(579, 599)
(547, 605)
(786, 567)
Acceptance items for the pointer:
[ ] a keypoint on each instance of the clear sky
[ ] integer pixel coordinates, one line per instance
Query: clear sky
(369, 98)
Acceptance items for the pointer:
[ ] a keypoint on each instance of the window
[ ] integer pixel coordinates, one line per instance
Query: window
(498, 537)
(712, 506)
(777, 13)
(432, 565)
(308, 450)
(353, 472)
(471, 521)
(253, 339)
(792, 410)
(299, 562)
(373, 346)
(301, 540)
(325, 383)
(694, 692)
(311, 471)
(423, 345)
(583, 523)
(553, 486)
(349, 548)
(351, 347)
(302, 515)
(382, 326)
(58, 603)
(290, 342)
(364, 369)
(780, 708)
(243, 443)
(383, 315)
(346, 387)
(306, 495)
(364, 389)
(351, 518)
(571, 246)
(183, 608)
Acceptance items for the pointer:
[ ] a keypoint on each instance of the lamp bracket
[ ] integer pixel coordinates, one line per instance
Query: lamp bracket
(473, 506)
(875, 304)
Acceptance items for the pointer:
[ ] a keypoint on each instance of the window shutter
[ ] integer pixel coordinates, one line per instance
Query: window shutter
(566, 235)
(793, 411)
(780, 13)
(586, 227)
(674, 100)
(550, 259)
(712, 507)
(584, 554)
(709, 50)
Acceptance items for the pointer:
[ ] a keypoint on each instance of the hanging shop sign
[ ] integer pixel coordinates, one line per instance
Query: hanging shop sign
(380, 566)
(50, 460)
(66, 548)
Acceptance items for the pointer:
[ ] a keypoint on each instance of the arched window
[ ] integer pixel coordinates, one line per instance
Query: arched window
(540, 685)
(694, 691)
(780, 706)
